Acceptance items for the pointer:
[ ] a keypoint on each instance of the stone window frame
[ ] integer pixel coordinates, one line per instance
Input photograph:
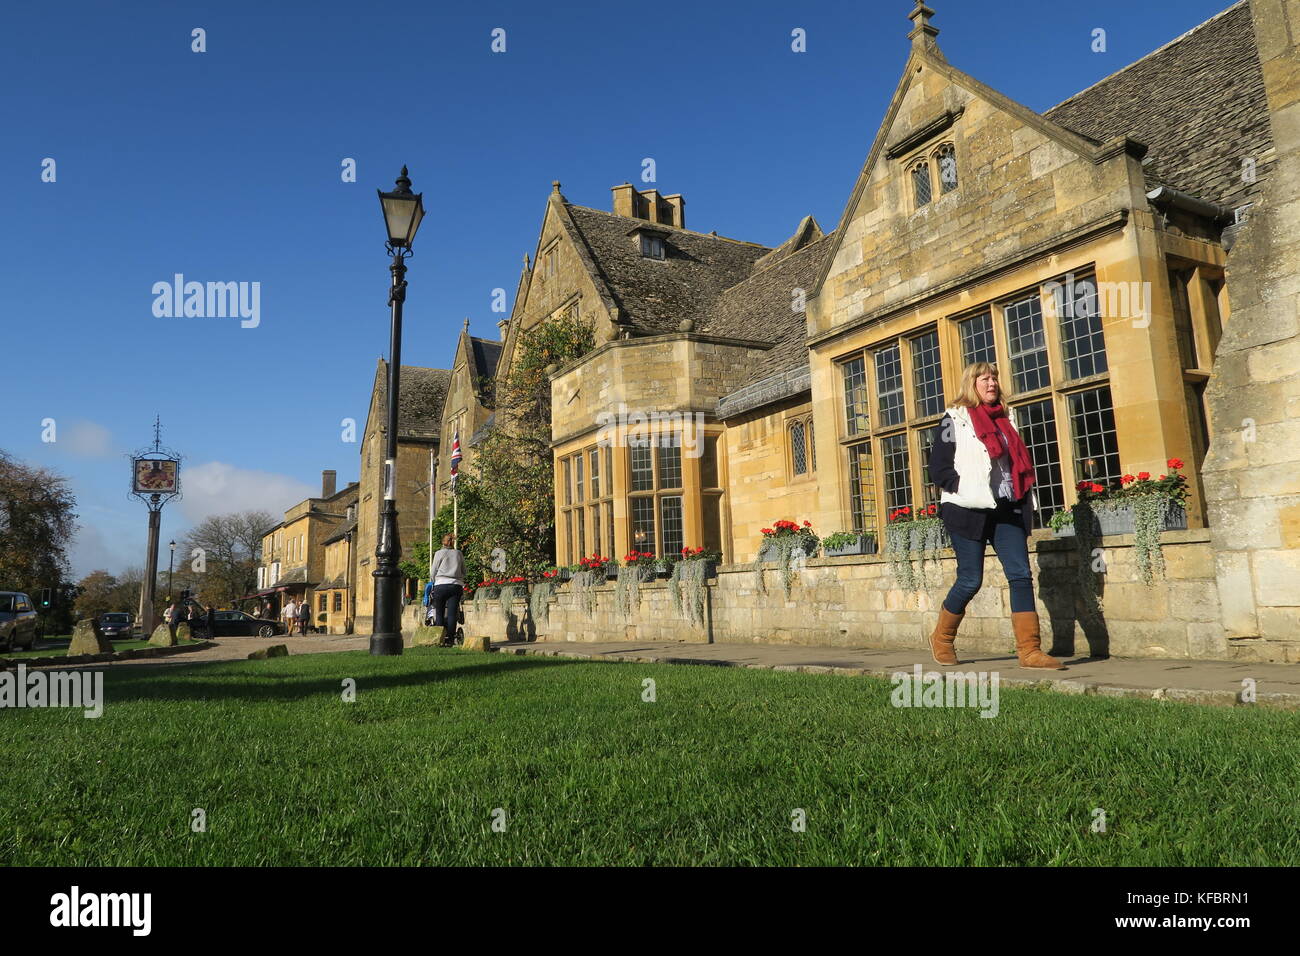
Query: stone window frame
(550, 260)
(924, 166)
(656, 493)
(592, 514)
(1059, 387)
(804, 421)
(872, 435)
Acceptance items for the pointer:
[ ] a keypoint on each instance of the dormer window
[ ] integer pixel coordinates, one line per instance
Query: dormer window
(651, 241)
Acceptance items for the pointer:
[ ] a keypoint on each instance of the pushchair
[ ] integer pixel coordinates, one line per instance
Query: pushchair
(459, 636)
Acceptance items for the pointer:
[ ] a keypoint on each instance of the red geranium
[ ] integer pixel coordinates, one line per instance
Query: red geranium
(1144, 475)
(1174, 463)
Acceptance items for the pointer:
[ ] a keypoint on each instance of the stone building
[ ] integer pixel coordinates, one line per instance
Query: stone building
(1252, 474)
(419, 424)
(1128, 259)
(1082, 249)
(294, 550)
(469, 403)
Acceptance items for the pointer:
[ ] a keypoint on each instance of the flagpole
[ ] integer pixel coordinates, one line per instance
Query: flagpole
(433, 485)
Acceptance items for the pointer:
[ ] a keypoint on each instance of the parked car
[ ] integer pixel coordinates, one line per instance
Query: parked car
(17, 621)
(239, 624)
(116, 625)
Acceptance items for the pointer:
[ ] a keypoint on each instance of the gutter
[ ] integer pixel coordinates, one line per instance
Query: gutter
(1163, 196)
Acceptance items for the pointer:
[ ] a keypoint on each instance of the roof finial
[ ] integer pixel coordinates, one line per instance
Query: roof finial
(555, 184)
(922, 34)
(466, 323)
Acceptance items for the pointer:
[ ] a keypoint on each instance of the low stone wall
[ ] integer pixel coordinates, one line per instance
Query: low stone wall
(854, 602)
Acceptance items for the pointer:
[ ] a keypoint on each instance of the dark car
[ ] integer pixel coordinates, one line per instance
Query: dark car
(17, 621)
(238, 624)
(116, 625)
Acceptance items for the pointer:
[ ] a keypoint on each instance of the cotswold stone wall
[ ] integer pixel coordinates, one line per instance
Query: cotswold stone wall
(854, 602)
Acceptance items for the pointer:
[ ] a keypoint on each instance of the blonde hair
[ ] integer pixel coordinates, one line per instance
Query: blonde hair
(449, 540)
(967, 397)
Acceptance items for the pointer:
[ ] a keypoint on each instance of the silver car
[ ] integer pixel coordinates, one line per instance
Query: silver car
(17, 621)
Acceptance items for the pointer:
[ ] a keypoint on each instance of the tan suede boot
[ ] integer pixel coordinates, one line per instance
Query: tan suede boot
(1028, 645)
(945, 632)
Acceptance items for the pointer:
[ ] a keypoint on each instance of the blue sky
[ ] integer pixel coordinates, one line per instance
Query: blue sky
(225, 166)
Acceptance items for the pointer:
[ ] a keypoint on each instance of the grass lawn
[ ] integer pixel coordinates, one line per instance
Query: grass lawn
(588, 773)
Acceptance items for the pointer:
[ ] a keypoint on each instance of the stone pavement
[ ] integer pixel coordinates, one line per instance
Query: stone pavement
(1199, 682)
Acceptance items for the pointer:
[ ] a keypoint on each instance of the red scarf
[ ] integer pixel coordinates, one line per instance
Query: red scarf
(989, 420)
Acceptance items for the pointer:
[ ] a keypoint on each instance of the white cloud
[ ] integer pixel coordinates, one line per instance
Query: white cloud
(87, 439)
(216, 488)
(90, 551)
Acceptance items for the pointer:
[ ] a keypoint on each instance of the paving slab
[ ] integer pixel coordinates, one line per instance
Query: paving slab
(1219, 683)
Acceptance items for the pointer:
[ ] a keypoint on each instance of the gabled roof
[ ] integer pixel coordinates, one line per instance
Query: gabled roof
(932, 58)
(341, 531)
(1197, 103)
(419, 407)
(653, 295)
(486, 353)
(764, 305)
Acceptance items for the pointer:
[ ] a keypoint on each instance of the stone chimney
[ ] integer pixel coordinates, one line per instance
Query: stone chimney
(649, 205)
(328, 483)
(624, 200)
(676, 211)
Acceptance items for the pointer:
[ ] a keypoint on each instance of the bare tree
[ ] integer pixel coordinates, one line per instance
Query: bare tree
(218, 559)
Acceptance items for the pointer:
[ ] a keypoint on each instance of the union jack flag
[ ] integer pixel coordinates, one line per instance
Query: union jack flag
(455, 457)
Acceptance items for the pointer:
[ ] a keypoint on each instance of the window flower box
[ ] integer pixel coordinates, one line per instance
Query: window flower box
(846, 543)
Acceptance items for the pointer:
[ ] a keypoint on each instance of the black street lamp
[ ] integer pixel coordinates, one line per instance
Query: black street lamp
(403, 211)
(170, 561)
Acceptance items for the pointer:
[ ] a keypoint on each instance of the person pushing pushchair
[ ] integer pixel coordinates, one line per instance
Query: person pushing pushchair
(443, 592)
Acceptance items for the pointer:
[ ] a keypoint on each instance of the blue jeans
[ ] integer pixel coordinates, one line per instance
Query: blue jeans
(1006, 532)
(445, 601)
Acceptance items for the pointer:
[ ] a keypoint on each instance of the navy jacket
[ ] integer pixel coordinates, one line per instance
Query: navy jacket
(967, 522)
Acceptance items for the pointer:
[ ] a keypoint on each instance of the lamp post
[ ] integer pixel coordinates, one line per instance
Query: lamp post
(170, 561)
(403, 211)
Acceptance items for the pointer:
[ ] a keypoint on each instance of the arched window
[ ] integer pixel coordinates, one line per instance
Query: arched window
(946, 160)
(921, 183)
(799, 448)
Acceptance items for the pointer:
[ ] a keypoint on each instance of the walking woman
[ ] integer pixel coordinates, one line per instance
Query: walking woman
(985, 476)
(448, 572)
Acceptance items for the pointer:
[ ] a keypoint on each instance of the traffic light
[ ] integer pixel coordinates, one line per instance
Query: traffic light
(45, 598)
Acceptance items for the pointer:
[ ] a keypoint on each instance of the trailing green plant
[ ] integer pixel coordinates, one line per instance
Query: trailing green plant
(898, 549)
(539, 600)
(507, 599)
(1086, 538)
(627, 591)
(687, 588)
(482, 596)
(583, 584)
(787, 538)
(1148, 522)
(910, 533)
